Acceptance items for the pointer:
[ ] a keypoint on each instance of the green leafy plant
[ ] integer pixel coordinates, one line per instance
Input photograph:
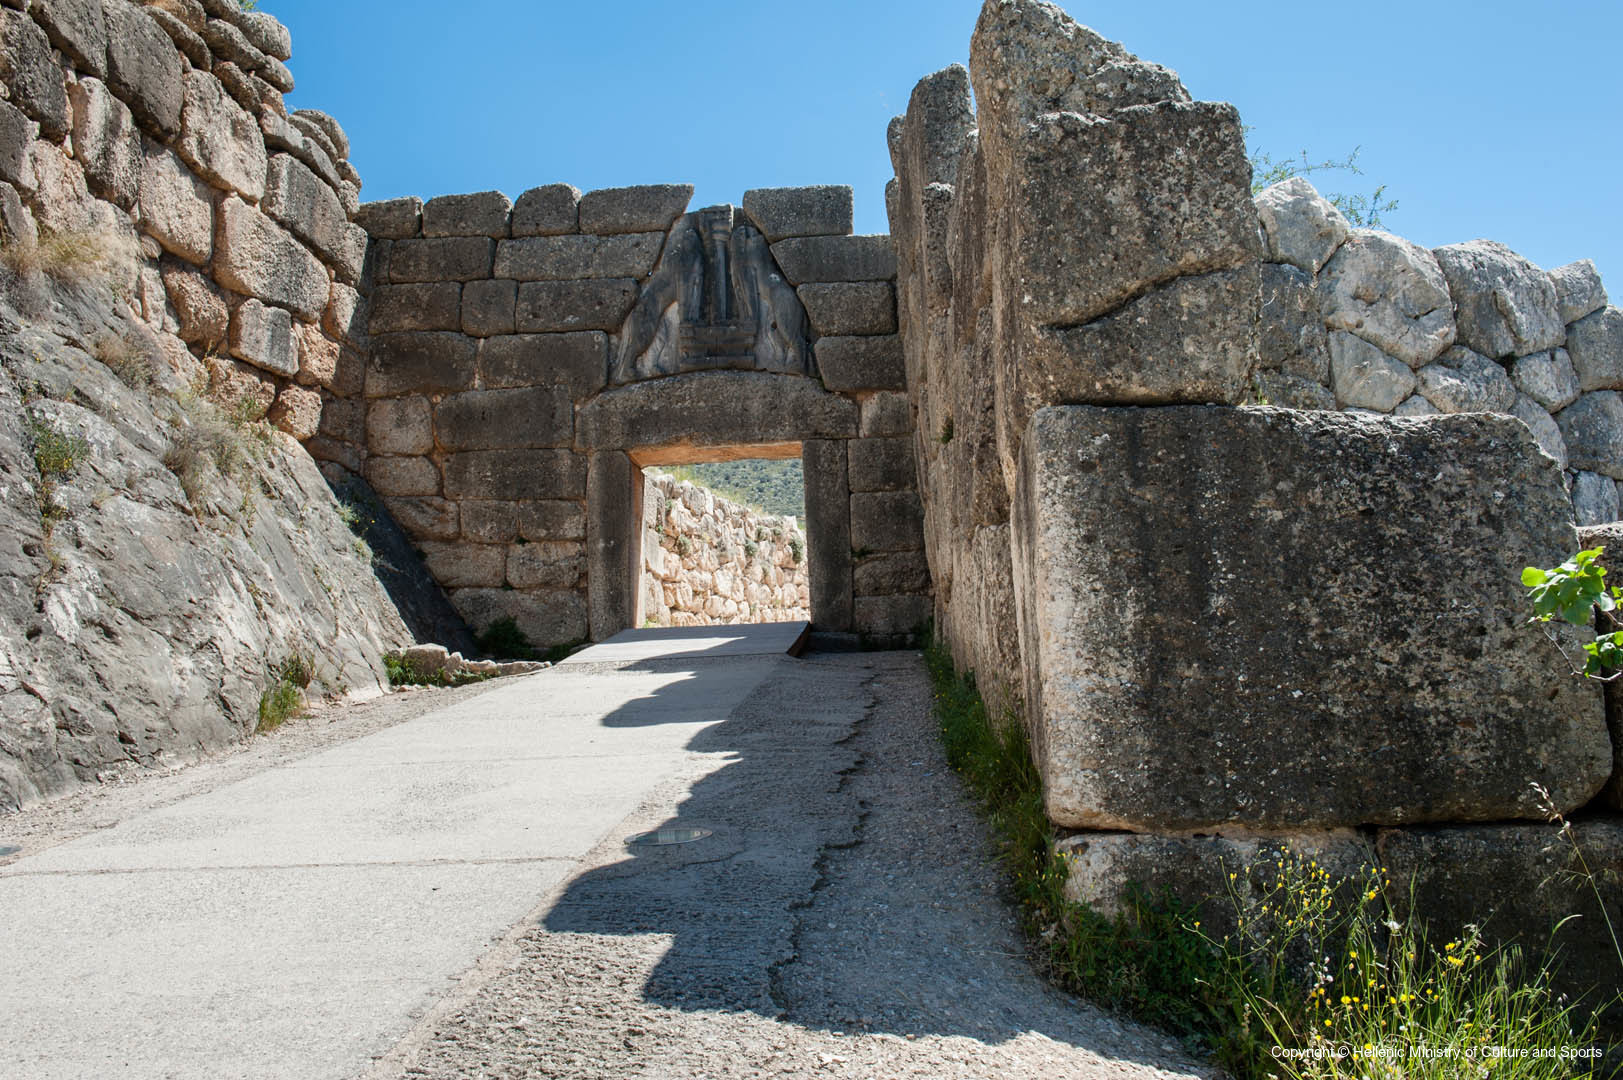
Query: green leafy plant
(1574, 592)
(56, 456)
(1363, 211)
(284, 698)
(946, 432)
(506, 640)
(402, 672)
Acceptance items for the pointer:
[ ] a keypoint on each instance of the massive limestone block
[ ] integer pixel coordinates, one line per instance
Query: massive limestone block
(263, 336)
(553, 306)
(310, 209)
(1578, 289)
(828, 520)
(79, 29)
(1593, 429)
(106, 142)
(1464, 381)
(1594, 499)
(483, 213)
(391, 219)
(1291, 334)
(516, 474)
(1366, 378)
(1391, 293)
(550, 210)
(1543, 426)
(420, 363)
(489, 308)
(646, 208)
(1548, 378)
(861, 363)
(255, 256)
(219, 139)
(199, 305)
(31, 74)
(505, 419)
(144, 68)
(1268, 618)
(403, 426)
(548, 617)
(850, 307)
(577, 362)
(835, 258)
(427, 305)
(800, 211)
(1595, 343)
(1503, 304)
(1303, 227)
(714, 408)
(561, 258)
(177, 209)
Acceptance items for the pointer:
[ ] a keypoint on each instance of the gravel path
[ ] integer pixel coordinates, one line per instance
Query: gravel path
(843, 920)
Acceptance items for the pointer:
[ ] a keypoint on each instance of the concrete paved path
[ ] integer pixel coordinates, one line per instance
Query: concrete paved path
(295, 923)
(674, 642)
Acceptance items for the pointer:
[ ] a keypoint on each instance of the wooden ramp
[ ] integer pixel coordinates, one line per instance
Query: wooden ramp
(698, 642)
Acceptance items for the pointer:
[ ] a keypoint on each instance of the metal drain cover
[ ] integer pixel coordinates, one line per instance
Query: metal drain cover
(8, 849)
(666, 837)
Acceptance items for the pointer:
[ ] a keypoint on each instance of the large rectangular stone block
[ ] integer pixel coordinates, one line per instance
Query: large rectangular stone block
(862, 363)
(548, 617)
(505, 419)
(613, 529)
(1270, 619)
(448, 258)
(595, 304)
(643, 208)
(823, 210)
(850, 307)
(420, 363)
(828, 533)
(515, 474)
(427, 305)
(882, 464)
(255, 256)
(578, 362)
(562, 258)
(836, 258)
(886, 521)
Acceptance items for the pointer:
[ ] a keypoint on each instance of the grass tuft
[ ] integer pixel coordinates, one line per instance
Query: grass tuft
(284, 698)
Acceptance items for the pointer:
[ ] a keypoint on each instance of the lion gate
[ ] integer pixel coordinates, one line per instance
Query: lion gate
(527, 359)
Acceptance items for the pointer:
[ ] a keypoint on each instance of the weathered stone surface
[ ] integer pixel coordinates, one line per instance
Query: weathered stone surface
(885, 413)
(828, 524)
(504, 419)
(422, 363)
(1593, 429)
(886, 521)
(391, 219)
(647, 208)
(1516, 882)
(553, 564)
(227, 42)
(1415, 405)
(1302, 227)
(551, 306)
(551, 210)
(457, 565)
(263, 336)
(316, 134)
(144, 68)
(78, 28)
(483, 213)
(1545, 430)
(1202, 651)
(31, 75)
(1548, 378)
(346, 315)
(1193, 340)
(1366, 378)
(219, 139)
(835, 258)
(561, 258)
(199, 305)
(547, 617)
(1503, 304)
(428, 305)
(1595, 343)
(280, 133)
(255, 256)
(902, 615)
(1292, 392)
(1594, 499)
(177, 209)
(239, 84)
(268, 36)
(242, 390)
(334, 131)
(577, 362)
(1464, 381)
(551, 519)
(882, 464)
(319, 355)
(1578, 290)
(800, 211)
(106, 142)
(16, 223)
(862, 363)
(516, 474)
(614, 518)
(310, 209)
(1291, 336)
(188, 41)
(891, 572)
(448, 258)
(488, 307)
(1392, 294)
(16, 135)
(403, 475)
(297, 412)
(400, 426)
(714, 408)
(850, 307)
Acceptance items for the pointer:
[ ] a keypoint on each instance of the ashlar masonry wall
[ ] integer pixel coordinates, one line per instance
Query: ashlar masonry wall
(528, 357)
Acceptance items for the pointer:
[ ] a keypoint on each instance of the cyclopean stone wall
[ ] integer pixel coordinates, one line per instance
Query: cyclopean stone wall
(161, 128)
(528, 357)
(1226, 624)
(708, 560)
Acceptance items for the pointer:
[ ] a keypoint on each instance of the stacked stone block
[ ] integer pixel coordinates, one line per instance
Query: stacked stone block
(710, 561)
(1227, 626)
(159, 130)
(1364, 321)
(494, 326)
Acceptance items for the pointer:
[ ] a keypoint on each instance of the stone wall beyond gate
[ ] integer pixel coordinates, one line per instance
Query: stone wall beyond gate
(527, 358)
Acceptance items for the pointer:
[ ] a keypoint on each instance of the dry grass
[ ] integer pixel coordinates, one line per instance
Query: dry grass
(71, 257)
(127, 358)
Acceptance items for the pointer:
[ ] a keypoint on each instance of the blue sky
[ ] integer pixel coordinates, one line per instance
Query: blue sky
(1490, 119)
